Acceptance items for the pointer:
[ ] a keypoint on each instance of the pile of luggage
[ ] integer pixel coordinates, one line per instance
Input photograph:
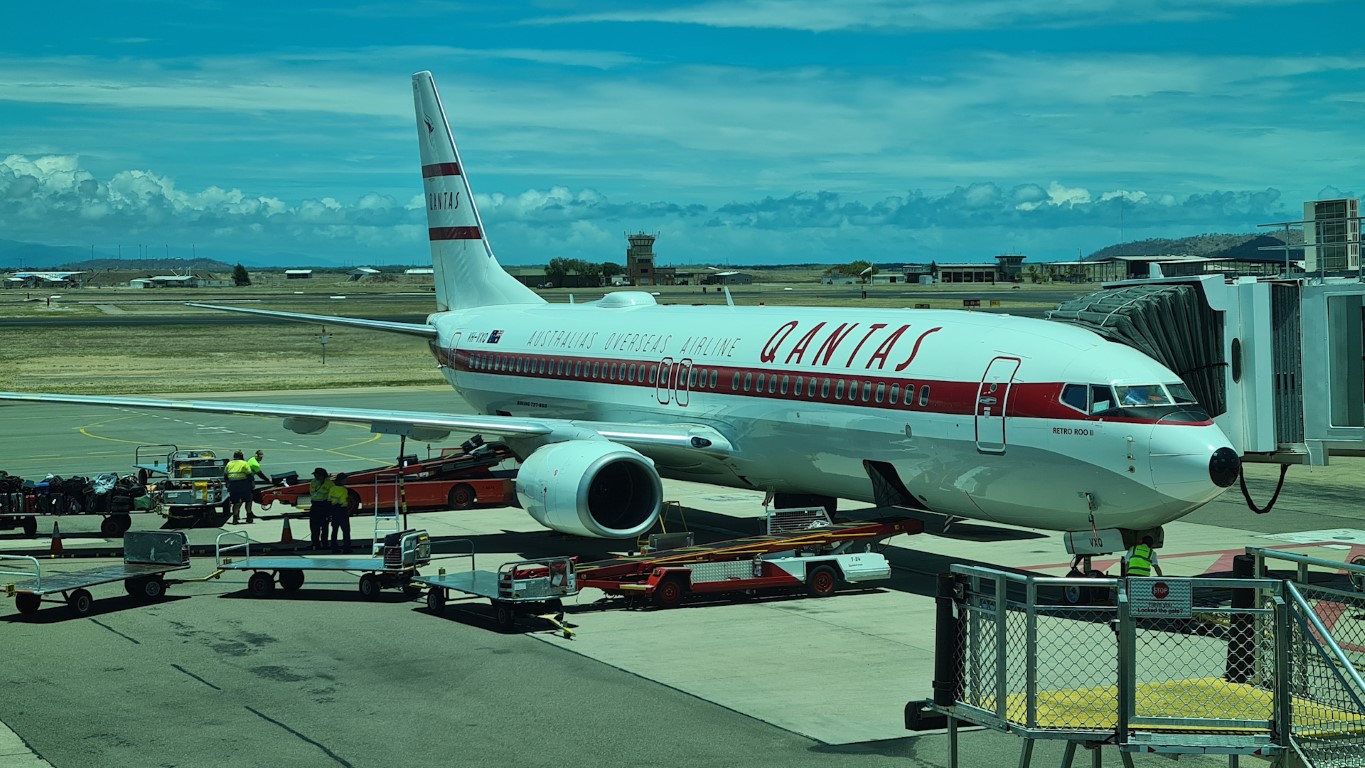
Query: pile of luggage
(104, 494)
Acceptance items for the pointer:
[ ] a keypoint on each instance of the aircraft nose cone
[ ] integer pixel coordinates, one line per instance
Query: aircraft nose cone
(1224, 467)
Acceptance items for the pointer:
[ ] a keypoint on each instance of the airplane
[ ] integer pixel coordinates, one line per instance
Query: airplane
(950, 414)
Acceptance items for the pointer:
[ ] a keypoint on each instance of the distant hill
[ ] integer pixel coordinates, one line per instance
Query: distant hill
(1244, 247)
(160, 266)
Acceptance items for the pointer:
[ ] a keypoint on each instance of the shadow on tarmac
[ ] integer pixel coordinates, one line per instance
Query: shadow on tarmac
(54, 611)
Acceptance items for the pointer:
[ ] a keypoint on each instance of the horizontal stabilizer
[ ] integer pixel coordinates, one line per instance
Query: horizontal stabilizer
(411, 329)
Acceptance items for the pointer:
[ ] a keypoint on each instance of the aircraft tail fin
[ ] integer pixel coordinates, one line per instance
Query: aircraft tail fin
(466, 273)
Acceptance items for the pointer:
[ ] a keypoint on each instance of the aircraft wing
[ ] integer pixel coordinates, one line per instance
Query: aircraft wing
(422, 425)
(411, 329)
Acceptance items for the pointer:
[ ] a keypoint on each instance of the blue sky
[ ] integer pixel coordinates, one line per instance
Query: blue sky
(741, 131)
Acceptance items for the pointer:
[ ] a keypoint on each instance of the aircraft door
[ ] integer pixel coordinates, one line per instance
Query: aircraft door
(663, 389)
(445, 356)
(683, 375)
(991, 398)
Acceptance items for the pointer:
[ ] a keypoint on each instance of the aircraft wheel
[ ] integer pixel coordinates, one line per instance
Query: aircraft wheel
(461, 496)
(1358, 578)
(436, 600)
(291, 579)
(506, 616)
(80, 602)
(261, 584)
(821, 581)
(369, 586)
(670, 592)
(27, 602)
(30, 526)
(1073, 595)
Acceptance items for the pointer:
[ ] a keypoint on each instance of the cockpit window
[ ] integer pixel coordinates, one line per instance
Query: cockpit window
(1139, 395)
(1181, 394)
(1101, 398)
(1076, 395)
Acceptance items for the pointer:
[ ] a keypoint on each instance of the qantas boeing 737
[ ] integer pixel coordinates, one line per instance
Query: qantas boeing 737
(956, 414)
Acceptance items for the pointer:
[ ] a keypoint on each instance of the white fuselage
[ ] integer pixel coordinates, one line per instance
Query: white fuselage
(965, 407)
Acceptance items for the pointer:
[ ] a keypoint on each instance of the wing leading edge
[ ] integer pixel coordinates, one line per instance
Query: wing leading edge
(411, 329)
(423, 426)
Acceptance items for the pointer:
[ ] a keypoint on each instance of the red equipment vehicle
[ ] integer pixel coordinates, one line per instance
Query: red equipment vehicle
(459, 478)
(816, 558)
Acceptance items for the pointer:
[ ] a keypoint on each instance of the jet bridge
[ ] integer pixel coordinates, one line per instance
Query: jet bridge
(1279, 363)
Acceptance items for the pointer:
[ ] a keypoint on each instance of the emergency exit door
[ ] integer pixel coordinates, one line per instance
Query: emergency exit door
(991, 398)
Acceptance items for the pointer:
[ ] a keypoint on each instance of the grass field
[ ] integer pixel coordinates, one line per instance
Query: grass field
(208, 358)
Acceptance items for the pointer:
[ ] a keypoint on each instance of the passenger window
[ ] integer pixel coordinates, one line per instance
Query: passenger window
(761, 378)
(784, 385)
(692, 379)
(800, 386)
(824, 390)
(578, 369)
(924, 395)
(881, 391)
(1076, 396)
(653, 374)
(895, 394)
(839, 390)
(734, 383)
(748, 380)
(867, 391)
(630, 375)
(596, 370)
(612, 374)
(715, 375)
(772, 384)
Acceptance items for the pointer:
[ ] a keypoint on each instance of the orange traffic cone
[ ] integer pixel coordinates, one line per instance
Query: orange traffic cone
(286, 536)
(56, 548)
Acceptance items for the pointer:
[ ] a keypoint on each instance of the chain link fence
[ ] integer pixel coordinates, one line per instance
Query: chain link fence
(1249, 665)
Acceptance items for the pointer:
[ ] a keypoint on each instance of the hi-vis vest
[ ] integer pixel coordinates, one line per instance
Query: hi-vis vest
(237, 470)
(1140, 563)
(320, 491)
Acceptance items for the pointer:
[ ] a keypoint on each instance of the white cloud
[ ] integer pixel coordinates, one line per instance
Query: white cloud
(919, 15)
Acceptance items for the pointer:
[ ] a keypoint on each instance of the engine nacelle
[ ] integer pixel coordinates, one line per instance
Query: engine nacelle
(591, 488)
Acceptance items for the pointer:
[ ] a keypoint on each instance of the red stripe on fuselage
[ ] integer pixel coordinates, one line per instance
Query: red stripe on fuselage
(455, 233)
(440, 169)
(1025, 400)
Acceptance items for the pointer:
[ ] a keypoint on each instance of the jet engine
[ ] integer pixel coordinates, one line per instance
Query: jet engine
(591, 488)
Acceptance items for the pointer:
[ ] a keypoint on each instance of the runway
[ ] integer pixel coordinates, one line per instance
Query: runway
(212, 676)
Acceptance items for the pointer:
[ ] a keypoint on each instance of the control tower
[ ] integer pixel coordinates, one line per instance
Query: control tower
(640, 258)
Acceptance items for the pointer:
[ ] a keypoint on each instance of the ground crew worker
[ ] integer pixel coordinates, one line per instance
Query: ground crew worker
(239, 486)
(253, 466)
(1141, 559)
(341, 515)
(320, 491)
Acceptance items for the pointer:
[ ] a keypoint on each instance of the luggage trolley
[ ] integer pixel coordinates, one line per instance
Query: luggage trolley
(147, 557)
(394, 566)
(521, 588)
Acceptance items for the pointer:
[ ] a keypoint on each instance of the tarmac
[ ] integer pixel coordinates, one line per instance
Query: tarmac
(322, 677)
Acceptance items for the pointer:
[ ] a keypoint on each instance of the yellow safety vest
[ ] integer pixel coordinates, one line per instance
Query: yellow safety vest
(339, 495)
(321, 491)
(1140, 562)
(237, 470)
(253, 466)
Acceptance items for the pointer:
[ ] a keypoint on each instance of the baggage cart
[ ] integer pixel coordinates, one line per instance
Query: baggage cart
(520, 588)
(395, 564)
(147, 557)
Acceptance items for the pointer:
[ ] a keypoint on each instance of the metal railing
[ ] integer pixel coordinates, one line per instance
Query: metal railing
(1234, 666)
(1327, 642)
